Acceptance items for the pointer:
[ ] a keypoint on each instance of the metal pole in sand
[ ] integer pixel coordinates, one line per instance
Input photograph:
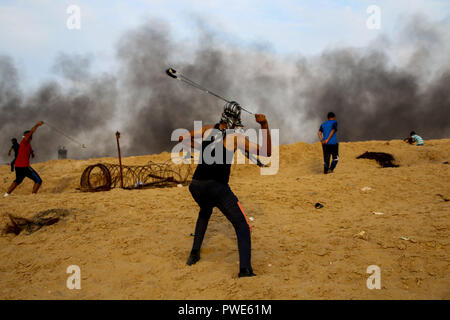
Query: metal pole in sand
(120, 159)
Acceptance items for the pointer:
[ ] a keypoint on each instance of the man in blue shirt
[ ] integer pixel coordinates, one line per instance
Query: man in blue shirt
(330, 145)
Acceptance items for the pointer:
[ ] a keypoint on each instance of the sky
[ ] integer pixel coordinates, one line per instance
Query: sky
(35, 32)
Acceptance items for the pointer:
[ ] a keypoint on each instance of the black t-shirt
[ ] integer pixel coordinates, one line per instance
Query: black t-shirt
(214, 171)
(15, 147)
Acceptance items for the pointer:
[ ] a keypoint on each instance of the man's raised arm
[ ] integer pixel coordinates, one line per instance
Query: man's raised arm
(266, 149)
(28, 135)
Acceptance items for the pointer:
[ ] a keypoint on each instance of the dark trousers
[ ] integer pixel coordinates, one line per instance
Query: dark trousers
(330, 150)
(22, 172)
(12, 164)
(209, 194)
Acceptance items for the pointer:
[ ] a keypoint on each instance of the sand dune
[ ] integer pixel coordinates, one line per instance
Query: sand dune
(134, 244)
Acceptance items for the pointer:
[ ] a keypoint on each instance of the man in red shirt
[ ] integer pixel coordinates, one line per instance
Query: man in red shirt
(22, 163)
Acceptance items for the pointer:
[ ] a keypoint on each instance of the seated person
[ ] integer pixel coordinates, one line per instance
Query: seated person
(414, 138)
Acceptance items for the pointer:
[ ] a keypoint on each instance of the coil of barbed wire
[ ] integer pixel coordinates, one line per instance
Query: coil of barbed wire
(105, 176)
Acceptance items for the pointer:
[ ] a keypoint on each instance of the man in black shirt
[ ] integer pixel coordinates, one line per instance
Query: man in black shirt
(209, 186)
(15, 148)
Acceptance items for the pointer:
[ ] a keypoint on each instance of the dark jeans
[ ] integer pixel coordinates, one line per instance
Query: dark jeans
(330, 150)
(22, 172)
(209, 194)
(12, 164)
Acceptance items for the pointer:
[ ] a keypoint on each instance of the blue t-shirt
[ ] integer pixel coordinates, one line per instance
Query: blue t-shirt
(326, 128)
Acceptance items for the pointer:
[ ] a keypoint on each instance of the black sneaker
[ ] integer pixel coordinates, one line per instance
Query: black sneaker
(244, 272)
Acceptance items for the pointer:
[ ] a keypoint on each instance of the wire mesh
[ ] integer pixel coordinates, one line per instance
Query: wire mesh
(105, 176)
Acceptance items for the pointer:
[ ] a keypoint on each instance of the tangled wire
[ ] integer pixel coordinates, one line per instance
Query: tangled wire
(105, 176)
(41, 219)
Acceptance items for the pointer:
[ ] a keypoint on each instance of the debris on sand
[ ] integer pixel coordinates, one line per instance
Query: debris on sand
(362, 235)
(366, 189)
(408, 239)
(377, 213)
(443, 198)
(318, 205)
(41, 219)
(385, 160)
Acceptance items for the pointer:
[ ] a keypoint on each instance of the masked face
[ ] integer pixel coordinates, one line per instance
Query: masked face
(231, 115)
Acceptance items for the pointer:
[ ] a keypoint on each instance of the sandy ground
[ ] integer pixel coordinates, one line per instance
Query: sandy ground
(134, 244)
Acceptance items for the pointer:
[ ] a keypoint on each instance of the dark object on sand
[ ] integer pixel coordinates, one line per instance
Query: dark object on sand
(318, 205)
(43, 218)
(104, 176)
(443, 198)
(384, 159)
(446, 162)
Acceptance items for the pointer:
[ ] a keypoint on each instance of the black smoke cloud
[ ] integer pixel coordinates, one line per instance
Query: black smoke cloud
(161, 104)
(379, 92)
(373, 97)
(373, 101)
(80, 105)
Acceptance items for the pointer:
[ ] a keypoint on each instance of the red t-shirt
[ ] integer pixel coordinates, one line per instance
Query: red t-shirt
(23, 157)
